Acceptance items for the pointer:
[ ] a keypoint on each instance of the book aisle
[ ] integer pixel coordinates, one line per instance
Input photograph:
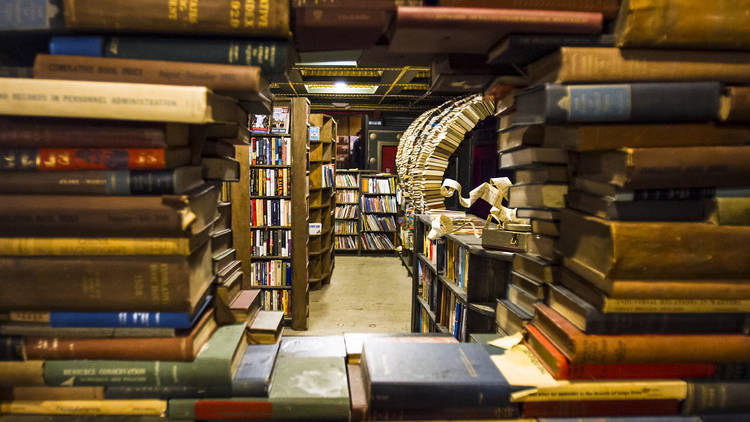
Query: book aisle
(191, 190)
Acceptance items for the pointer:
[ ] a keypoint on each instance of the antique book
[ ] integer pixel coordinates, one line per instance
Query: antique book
(253, 376)
(93, 216)
(579, 347)
(597, 65)
(181, 348)
(246, 17)
(688, 24)
(246, 305)
(355, 341)
(242, 82)
(397, 375)
(521, 49)
(56, 159)
(310, 388)
(474, 31)
(85, 407)
(610, 208)
(625, 250)
(265, 328)
(611, 409)
(716, 397)
(650, 168)
(536, 268)
(216, 364)
(735, 105)
(561, 369)
(635, 102)
(25, 16)
(607, 7)
(677, 320)
(542, 175)
(537, 196)
(103, 182)
(51, 132)
(510, 317)
(111, 100)
(319, 346)
(527, 157)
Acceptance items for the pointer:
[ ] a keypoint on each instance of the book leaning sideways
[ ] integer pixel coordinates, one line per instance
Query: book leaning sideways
(113, 100)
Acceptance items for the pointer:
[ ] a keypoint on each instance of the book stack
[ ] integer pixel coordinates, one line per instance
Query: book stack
(653, 236)
(428, 143)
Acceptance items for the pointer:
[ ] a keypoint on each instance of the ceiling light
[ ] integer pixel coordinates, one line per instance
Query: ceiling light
(340, 88)
(340, 85)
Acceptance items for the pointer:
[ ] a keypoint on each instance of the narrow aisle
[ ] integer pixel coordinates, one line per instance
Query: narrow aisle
(366, 294)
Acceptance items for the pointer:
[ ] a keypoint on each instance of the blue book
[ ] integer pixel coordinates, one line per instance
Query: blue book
(403, 375)
(89, 46)
(31, 15)
(177, 320)
(254, 373)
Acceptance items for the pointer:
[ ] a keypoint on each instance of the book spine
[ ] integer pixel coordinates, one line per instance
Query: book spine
(716, 397)
(227, 409)
(607, 7)
(105, 319)
(242, 17)
(321, 18)
(356, 4)
(735, 105)
(117, 373)
(19, 246)
(216, 77)
(103, 100)
(31, 15)
(592, 408)
(164, 392)
(81, 159)
(145, 182)
(640, 371)
(686, 24)
(689, 308)
(270, 56)
(50, 133)
(104, 284)
(12, 348)
(731, 211)
(85, 407)
(164, 349)
(663, 102)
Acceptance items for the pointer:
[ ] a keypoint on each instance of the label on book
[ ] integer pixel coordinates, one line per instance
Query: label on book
(676, 306)
(604, 390)
(597, 103)
(314, 133)
(315, 228)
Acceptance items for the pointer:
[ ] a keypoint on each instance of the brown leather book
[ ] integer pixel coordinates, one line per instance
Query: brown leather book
(655, 168)
(684, 24)
(598, 64)
(147, 283)
(609, 137)
(467, 30)
(319, 28)
(622, 250)
(246, 305)
(638, 348)
(242, 82)
(246, 17)
(109, 216)
(537, 196)
(606, 7)
(535, 268)
(182, 348)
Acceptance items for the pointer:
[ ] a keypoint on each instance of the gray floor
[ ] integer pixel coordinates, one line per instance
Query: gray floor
(366, 295)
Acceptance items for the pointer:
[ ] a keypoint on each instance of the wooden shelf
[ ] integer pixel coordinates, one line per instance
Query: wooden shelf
(253, 286)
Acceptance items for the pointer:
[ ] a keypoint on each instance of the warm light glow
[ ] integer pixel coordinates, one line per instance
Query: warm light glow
(340, 87)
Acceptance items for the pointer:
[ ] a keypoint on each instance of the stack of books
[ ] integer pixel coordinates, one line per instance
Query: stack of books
(653, 236)
(428, 143)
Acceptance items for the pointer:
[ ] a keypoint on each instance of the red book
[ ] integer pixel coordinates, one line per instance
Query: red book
(580, 409)
(474, 30)
(561, 369)
(52, 159)
(229, 409)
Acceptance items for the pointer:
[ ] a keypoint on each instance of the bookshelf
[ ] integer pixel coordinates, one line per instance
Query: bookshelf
(378, 213)
(322, 199)
(455, 283)
(267, 213)
(347, 227)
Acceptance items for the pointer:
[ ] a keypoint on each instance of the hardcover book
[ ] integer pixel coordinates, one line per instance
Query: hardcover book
(253, 376)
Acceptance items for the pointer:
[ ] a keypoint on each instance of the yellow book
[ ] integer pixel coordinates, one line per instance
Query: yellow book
(40, 246)
(85, 407)
(605, 390)
(114, 100)
(676, 306)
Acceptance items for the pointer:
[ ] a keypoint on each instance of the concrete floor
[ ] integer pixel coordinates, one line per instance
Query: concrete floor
(366, 295)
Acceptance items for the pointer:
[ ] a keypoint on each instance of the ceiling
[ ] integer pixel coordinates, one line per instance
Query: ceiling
(403, 89)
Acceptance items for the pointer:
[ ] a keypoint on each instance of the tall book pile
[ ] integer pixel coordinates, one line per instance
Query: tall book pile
(652, 293)
(124, 289)
(428, 143)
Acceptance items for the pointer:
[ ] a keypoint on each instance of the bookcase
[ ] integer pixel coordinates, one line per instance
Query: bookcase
(322, 197)
(269, 209)
(378, 213)
(455, 283)
(347, 228)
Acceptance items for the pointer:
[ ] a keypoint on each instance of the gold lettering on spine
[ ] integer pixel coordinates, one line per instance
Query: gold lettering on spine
(164, 281)
(234, 13)
(172, 10)
(154, 283)
(264, 8)
(193, 11)
(249, 14)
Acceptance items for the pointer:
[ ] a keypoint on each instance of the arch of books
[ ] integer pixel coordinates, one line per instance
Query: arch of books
(428, 143)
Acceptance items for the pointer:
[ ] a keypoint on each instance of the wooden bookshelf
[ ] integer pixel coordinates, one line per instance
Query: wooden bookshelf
(322, 199)
(378, 213)
(289, 160)
(347, 196)
(455, 283)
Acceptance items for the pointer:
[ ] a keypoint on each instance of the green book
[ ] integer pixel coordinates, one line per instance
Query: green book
(214, 366)
(310, 388)
(484, 340)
